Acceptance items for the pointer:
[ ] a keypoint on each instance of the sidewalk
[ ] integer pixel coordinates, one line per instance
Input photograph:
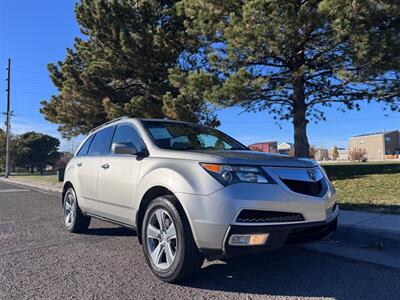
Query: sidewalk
(363, 236)
(42, 186)
(369, 229)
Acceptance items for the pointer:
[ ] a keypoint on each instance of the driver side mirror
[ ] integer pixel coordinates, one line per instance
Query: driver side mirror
(124, 148)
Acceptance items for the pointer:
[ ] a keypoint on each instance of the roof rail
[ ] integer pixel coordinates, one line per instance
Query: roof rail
(109, 122)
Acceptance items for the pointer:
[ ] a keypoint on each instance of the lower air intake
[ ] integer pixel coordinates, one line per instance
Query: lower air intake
(263, 216)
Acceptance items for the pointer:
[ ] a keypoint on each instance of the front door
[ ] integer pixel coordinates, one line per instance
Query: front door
(117, 178)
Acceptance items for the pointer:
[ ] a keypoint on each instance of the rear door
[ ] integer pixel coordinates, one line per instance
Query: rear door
(80, 162)
(89, 164)
(118, 177)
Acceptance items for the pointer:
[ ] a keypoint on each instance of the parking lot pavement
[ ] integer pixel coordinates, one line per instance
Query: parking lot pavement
(39, 259)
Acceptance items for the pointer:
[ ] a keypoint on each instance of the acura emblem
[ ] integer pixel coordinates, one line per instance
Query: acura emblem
(311, 174)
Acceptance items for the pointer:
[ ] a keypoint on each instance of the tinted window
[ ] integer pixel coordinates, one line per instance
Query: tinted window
(101, 142)
(185, 136)
(85, 147)
(127, 134)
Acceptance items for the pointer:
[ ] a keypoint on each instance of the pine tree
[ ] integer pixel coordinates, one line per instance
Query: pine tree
(291, 58)
(121, 67)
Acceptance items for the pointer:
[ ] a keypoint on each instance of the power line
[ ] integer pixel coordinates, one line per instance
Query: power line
(29, 92)
(327, 120)
(30, 72)
(31, 82)
(19, 58)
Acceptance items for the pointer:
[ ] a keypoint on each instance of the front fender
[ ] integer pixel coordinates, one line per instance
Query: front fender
(183, 177)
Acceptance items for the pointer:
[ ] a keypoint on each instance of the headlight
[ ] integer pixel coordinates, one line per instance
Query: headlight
(230, 174)
(327, 178)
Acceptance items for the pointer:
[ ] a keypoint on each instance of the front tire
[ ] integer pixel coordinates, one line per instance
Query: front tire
(168, 243)
(74, 220)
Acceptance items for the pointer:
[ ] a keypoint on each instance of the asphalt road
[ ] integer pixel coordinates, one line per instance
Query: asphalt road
(39, 259)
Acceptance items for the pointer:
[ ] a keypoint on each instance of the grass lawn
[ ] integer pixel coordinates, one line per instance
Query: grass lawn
(46, 179)
(367, 186)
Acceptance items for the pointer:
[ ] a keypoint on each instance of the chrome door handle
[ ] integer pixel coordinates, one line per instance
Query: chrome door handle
(105, 166)
(79, 164)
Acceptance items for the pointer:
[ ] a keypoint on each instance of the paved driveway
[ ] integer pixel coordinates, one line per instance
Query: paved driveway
(39, 259)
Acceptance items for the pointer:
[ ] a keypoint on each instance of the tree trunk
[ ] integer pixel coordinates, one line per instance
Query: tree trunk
(301, 145)
(32, 170)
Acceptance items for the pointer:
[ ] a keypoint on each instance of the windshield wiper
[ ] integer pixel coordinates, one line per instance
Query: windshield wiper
(238, 149)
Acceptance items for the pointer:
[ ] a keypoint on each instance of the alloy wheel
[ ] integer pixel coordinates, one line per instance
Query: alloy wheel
(161, 239)
(69, 209)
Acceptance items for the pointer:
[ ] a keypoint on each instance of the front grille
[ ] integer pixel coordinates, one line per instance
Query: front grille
(263, 216)
(304, 187)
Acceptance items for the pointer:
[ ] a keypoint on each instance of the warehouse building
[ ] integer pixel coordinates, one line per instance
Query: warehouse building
(378, 145)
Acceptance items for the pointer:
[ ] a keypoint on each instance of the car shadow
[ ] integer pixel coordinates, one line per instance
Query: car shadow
(110, 231)
(290, 272)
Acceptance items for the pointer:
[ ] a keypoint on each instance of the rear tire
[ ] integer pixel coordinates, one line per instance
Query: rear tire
(74, 220)
(169, 248)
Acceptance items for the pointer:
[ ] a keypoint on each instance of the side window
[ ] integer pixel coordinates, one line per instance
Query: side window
(101, 142)
(85, 147)
(127, 134)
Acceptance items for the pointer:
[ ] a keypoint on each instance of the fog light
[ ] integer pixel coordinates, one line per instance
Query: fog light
(248, 239)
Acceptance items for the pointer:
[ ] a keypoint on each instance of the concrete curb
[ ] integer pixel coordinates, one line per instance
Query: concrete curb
(370, 230)
(368, 238)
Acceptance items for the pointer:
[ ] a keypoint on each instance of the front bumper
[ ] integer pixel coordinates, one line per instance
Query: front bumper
(213, 216)
(279, 236)
(282, 235)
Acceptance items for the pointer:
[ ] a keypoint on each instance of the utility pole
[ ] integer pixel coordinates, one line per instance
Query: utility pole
(7, 168)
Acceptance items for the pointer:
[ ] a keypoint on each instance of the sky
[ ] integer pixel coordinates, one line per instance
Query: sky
(34, 33)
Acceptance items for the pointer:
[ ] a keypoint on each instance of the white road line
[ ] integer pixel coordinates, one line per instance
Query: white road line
(13, 190)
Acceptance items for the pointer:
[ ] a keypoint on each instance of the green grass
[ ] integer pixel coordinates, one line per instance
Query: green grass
(367, 186)
(46, 179)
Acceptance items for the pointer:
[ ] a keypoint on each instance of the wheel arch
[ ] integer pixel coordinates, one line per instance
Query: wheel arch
(151, 194)
(66, 186)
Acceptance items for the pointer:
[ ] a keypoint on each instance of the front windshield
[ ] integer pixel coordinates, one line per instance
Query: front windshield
(184, 136)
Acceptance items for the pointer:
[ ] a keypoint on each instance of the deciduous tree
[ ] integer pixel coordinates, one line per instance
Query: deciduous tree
(357, 154)
(335, 153)
(34, 149)
(3, 150)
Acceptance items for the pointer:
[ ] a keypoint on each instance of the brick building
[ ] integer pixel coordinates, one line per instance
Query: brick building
(271, 147)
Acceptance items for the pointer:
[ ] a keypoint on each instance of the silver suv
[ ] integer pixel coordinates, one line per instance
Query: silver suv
(192, 192)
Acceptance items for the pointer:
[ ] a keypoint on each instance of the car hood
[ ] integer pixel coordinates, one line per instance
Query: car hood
(237, 157)
(261, 158)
